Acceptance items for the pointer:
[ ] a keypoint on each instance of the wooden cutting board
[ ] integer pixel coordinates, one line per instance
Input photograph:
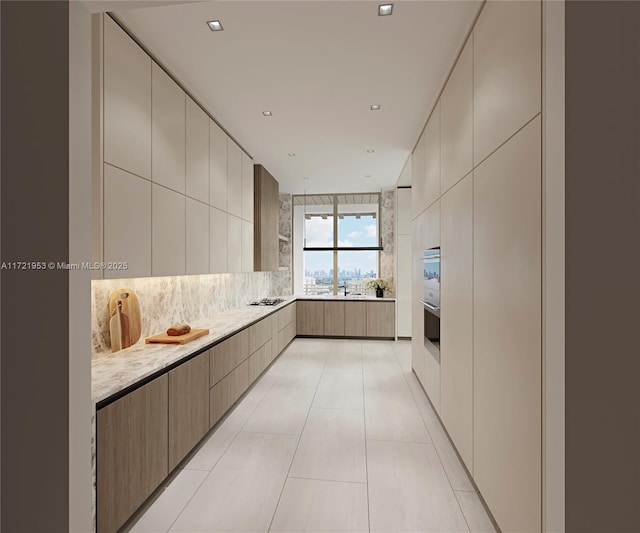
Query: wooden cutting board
(163, 338)
(124, 319)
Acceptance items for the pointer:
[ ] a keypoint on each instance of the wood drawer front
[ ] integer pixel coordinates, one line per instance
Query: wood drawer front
(259, 334)
(380, 319)
(259, 361)
(132, 452)
(285, 316)
(225, 393)
(188, 407)
(228, 355)
(334, 319)
(310, 318)
(355, 319)
(285, 336)
(274, 335)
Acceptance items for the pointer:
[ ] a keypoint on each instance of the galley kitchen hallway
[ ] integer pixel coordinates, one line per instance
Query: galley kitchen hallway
(337, 435)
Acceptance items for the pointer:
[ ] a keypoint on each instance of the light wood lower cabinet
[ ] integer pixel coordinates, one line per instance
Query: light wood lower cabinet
(310, 318)
(260, 360)
(259, 334)
(334, 319)
(132, 452)
(355, 319)
(380, 319)
(188, 407)
(228, 355)
(225, 393)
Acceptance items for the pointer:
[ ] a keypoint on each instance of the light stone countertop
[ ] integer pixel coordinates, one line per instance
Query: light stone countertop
(114, 372)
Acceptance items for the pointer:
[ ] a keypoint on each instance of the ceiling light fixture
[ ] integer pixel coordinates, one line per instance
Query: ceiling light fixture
(370, 150)
(291, 154)
(267, 113)
(367, 175)
(375, 107)
(306, 178)
(215, 25)
(385, 9)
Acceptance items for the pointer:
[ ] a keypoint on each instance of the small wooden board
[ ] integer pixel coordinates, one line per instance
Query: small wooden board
(163, 338)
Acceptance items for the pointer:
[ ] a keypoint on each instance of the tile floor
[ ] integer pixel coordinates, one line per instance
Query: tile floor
(337, 435)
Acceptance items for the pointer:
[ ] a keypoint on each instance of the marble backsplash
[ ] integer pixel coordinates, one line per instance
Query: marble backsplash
(166, 300)
(387, 255)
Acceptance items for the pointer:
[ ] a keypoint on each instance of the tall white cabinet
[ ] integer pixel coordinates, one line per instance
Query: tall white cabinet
(477, 194)
(178, 192)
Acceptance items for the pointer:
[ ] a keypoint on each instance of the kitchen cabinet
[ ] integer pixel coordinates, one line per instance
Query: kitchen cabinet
(217, 167)
(127, 102)
(228, 355)
(334, 319)
(127, 222)
(168, 245)
(234, 179)
(355, 319)
(432, 158)
(197, 152)
(167, 131)
(260, 360)
(132, 452)
(247, 246)
(507, 330)
(218, 241)
(266, 207)
(225, 393)
(234, 244)
(506, 72)
(247, 188)
(418, 350)
(381, 319)
(418, 178)
(188, 407)
(456, 325)
(310, 318)
(197, 237)
(456, 121)
(259, 334)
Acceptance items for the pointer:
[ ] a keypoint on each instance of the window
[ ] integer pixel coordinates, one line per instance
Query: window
(336, 242)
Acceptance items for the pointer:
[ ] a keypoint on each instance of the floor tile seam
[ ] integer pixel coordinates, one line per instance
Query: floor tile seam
(337, 408)
(366, 455)
(269, 433)
(402, 442)
(293, 457)
(328, 480)
(466, 521)
(192, 496)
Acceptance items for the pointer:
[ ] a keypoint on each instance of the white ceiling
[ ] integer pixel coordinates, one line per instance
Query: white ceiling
(317, 65)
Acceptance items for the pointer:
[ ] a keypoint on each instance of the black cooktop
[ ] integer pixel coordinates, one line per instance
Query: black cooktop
(268, 301)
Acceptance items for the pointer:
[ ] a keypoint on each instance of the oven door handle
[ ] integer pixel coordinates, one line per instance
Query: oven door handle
(432, 307)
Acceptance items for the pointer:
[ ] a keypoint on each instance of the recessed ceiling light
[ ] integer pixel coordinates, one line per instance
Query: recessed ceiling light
(215, 25)
(370, 150)
(375, 107)
(385, 9)
(306, 178)
(367, 175)
(291, 154)
(267, 113)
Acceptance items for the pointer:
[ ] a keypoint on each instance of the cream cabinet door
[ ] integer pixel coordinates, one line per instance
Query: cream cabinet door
(456, 117)
(168, 245)
(127, 223)
(218, 234)
(417, 178)
(456, 324)
(217, 167)
(234, 179)
(247, 189)
(234, 244)
(507, 331)
(168, 131)
(507, 58)
(197, 237)
(432, 159)
(418, 351)
(247, 246)
(127, 102)
(197, 153)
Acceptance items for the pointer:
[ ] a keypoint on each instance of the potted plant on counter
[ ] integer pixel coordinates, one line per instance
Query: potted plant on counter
(380, 285)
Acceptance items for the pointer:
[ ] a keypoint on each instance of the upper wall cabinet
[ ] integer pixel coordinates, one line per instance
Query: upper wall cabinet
(234, 179)
(168, 131)
(506, 72)
(197, 153)
(168, 232)
(217, 167)
(432, 158)
(456, 115)
(417, 178)
(127, 102)
(267, 204)
(247, 188)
